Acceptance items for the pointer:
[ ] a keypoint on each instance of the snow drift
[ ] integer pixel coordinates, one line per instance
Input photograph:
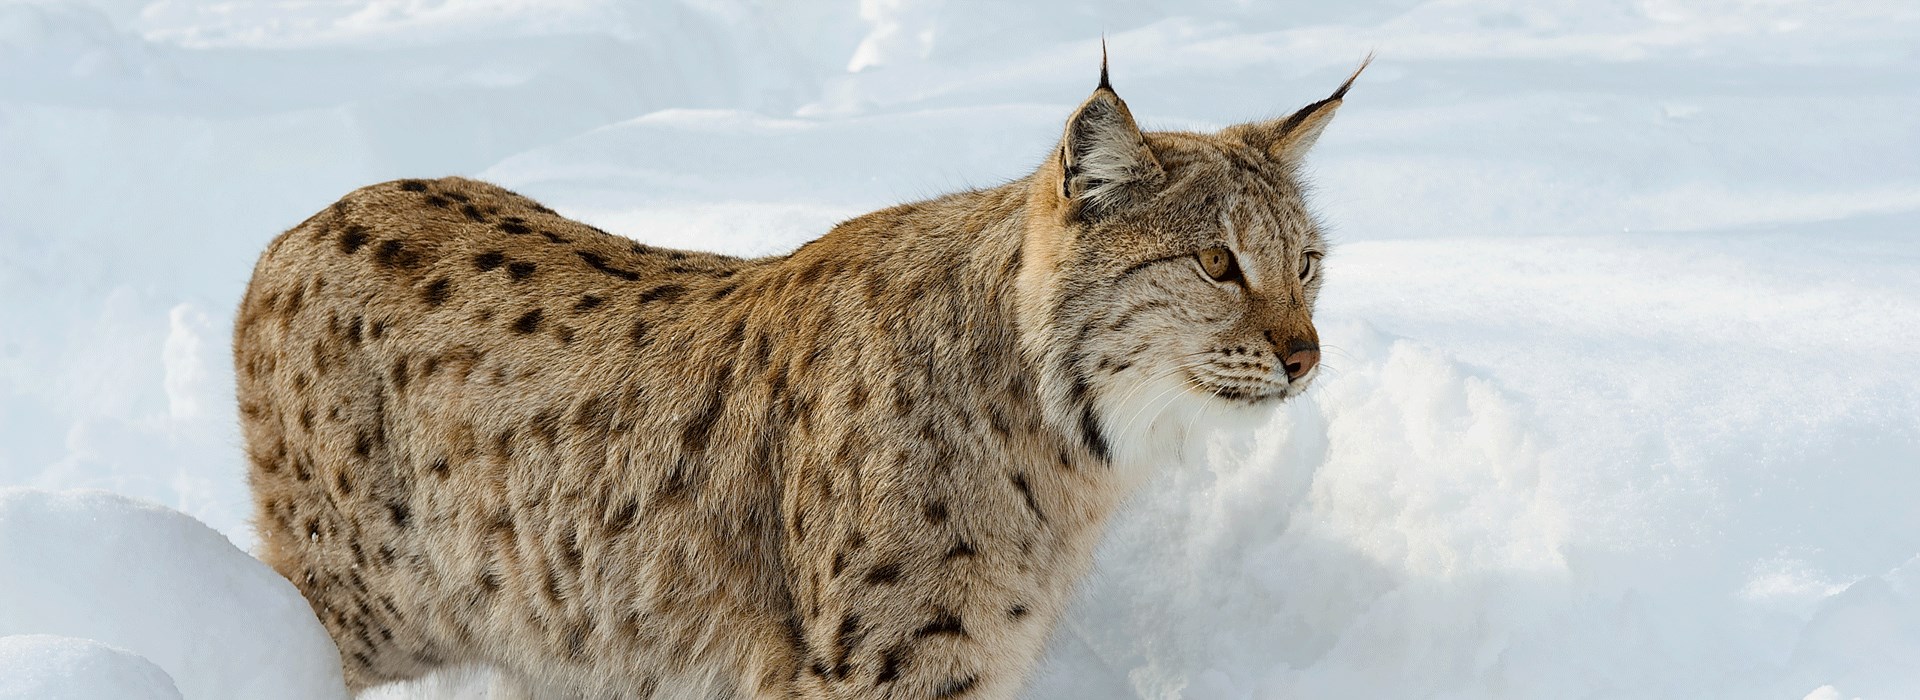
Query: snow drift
(46, 667)
(163, 599)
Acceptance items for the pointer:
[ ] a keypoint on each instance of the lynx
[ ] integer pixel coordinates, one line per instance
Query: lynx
(484, 435)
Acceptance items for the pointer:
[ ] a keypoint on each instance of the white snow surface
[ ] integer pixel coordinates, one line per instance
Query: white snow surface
(141, 598)
(1622, 395)
(47, 667)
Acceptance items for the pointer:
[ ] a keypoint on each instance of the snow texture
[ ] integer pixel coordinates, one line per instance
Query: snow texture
(1622, 395)
(46, 667)
(139, 580)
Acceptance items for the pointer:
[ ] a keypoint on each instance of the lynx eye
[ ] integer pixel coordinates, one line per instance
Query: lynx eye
(1308, 264)
(1219, 264)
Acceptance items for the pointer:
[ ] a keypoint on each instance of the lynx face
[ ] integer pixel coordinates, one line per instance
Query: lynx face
(1175, 273)
(1215, 275)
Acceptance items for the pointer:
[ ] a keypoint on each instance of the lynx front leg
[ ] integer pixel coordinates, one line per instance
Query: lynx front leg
(926, 638)
(879, 662)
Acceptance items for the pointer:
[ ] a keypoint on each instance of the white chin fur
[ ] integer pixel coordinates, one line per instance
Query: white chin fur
(1157, 424)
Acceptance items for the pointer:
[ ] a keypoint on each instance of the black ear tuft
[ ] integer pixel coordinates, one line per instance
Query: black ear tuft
(1290, 138)
(1103, 155)
(1104, 85)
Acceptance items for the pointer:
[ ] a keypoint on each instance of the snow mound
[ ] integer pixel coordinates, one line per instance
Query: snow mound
(46, 667)
(159, 584)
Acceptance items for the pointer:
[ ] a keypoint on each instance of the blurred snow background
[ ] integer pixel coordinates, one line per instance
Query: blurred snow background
(1623, 396)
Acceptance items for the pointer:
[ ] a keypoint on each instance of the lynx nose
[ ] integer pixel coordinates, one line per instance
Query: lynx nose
(1302, 355)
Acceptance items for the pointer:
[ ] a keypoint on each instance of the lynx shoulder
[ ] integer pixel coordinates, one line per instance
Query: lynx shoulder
(483, 434)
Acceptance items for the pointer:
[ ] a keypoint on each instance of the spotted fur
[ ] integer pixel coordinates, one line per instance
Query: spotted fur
(484, 434)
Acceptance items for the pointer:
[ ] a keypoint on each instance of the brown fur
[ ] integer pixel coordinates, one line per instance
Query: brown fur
(481, 433)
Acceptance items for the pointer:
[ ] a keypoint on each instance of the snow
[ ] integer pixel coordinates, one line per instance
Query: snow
(1623, 319)
(131, 588)
(46, 667)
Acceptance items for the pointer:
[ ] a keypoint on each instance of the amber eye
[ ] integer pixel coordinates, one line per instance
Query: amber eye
(1219, 264)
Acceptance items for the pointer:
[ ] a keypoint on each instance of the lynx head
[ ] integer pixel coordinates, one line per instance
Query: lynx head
(1169, 267)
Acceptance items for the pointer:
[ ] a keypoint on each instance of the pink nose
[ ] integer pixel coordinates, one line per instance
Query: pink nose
(1302, 355)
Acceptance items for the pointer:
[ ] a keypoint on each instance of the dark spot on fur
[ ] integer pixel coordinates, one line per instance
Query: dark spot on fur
(343, 481)
(594, 414)
(1026, 491)
(839, 563)
(395, 253)
(362, 444)
(944, 622)
(890, 663)
(1091, 435)
(413, 185)
(954, 688)
(588, 303)
(998, 421)
(622, 518)
(596, 262)
(936, 512)
(352, 239)
(570, 552)
(960, 549)
(883, 574)
(681, 479)
(489, 260)
(666, 292)
(552, 237)
(503, 445)
(724, 291)
(698, 431)
(399, 513)
(639, 333)
(527, 323)
(577, 642)
(440, 468)
(844, 642)
(520, 270)
(437, 292)
(513, 226)
(546, 426)
(398, 375)
(438, 201)
(811, 273)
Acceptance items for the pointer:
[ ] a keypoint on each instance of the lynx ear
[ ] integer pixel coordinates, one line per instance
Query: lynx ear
(1289, 139)
(1103, 156)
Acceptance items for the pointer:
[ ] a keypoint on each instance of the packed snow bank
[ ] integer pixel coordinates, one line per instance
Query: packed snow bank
(46, 667)
(159, 584)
